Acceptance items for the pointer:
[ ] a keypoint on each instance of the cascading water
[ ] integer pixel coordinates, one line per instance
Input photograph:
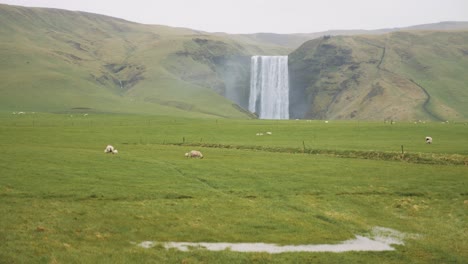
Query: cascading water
(269, 87)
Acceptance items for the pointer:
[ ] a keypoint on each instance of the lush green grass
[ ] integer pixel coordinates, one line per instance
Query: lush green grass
(65, 201)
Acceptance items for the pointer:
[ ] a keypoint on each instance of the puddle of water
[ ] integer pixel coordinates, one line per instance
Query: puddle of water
(380, 239)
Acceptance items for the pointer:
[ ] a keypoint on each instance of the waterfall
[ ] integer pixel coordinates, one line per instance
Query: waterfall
(269, 87)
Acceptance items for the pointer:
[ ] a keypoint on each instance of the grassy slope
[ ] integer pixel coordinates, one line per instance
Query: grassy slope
(64, 200)
(436, 61)
(384, 77)
(55, 60)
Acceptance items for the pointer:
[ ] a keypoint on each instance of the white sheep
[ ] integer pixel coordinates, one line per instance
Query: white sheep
(194, 154)
(110, 149)
(269, 133)
(428, 140)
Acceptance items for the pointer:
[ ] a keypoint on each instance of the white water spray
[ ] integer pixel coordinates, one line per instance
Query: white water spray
(269, 87)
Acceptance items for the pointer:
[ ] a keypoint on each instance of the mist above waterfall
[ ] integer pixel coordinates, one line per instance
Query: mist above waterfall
(269, 87)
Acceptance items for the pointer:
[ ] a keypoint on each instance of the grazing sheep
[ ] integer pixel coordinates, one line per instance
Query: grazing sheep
(428, 140)
(269, 133)
(110, 149)
(194, 154)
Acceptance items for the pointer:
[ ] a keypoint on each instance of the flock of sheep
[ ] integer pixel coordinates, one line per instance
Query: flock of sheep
(198, 154)
(192, 154)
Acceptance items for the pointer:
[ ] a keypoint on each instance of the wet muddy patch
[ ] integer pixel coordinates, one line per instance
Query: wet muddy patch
(379, 239)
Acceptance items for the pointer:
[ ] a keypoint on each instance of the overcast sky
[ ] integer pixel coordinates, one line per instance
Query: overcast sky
(276, 16)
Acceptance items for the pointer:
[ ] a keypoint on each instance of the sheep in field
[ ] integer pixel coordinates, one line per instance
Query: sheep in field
(428, 140)
(110, 149)
(194, 154)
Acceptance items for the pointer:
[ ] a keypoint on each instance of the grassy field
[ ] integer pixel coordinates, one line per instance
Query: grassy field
(65, 201)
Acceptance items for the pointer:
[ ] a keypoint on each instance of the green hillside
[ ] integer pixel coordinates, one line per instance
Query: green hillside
(58, 61)
(396, 76)
(54, 60)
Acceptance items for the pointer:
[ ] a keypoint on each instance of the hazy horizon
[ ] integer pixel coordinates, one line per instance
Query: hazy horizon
(274, 16)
